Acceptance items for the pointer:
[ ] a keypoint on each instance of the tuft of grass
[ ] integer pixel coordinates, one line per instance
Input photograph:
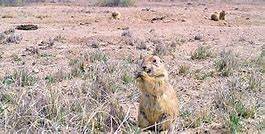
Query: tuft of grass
(98, 56)
(226, 64)
(5, 100)
(59, 38)
(161, 49)
(15, 57)
(127, 78)
(231, 102)
(20, 78)
(77, 69)
(196, 120)
(201, 53)
(58, 76)
(183, 70)
(234, 123)
(41, 16)
(255, 82)
(261, 125)
(202, 75)
(116, 3)
(261, 59)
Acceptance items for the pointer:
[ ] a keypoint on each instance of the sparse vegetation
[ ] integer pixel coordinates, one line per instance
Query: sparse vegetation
(255, 82)
(201, 53)
(116, 3)
(191, 120)
(261, 59)
(98, 56)
(183, 69)
(234, 123)
(226, 64)
(70, 69)
(9, 36)
(19, 78)
(202, 74)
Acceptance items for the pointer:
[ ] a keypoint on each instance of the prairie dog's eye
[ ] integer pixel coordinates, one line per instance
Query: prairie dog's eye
(154, 61)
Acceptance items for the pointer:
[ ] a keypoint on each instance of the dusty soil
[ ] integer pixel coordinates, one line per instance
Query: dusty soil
(81, 30)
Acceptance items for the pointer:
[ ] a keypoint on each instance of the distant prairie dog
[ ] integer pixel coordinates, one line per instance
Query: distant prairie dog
(222, 15)
(159, 104)
(214, 16)
(116, 15)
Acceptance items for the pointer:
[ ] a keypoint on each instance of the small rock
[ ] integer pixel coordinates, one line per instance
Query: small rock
(125, 28)
(183, 20)
(94, 45)
(198, 37)
(236, 8)
(31, 50)
(247, 18)
(35, 70)
(46, 44)
(9, 31)
(126, 33)
(14, 38)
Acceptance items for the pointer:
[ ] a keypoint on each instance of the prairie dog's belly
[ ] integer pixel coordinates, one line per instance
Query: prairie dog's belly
(153, 106)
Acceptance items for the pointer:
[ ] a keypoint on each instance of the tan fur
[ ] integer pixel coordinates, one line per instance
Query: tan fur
(116, 15)
(222, 15)
(215, 17)
(158, 101)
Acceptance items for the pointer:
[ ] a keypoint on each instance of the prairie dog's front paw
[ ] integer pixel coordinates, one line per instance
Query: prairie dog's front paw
(140, 74)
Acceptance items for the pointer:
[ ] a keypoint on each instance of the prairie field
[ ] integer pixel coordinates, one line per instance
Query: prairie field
(73, 70)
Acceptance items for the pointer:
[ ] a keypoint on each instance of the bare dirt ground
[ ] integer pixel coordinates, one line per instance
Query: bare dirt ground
(76, 69)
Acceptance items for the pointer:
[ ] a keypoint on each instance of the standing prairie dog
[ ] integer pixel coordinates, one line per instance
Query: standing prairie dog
(116, 15)
(222, 15)
(159, 105)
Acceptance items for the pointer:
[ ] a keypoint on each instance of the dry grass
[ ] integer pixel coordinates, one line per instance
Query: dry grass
(95, 106)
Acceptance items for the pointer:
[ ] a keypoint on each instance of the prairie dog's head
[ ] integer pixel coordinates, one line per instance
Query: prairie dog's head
(153, 66)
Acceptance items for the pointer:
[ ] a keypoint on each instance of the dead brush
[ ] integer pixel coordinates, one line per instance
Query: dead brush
(201, 53)
(9, 36)
(183, 70)
(254, 81)
(162, 49)
(95, 106)
(226, 64)
(261, 59)
(235, 104)
(20, 78)
(98, 56)
(106, 85)
(194, 120)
